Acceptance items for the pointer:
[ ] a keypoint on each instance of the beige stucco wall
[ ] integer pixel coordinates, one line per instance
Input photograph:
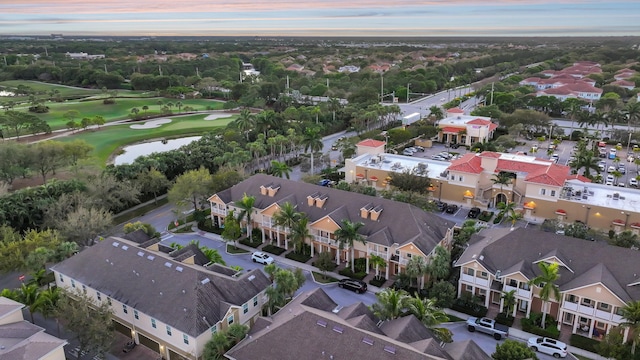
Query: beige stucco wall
(12, 318)
(597, 292)
(57, 354)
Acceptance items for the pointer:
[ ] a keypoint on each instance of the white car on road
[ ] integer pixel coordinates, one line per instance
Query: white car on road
(552, 347)
(262, 258)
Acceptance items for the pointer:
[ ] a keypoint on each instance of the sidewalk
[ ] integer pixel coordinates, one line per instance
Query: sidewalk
(518, 334)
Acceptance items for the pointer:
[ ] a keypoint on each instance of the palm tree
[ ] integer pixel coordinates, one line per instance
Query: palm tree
(377, 262)
(245, 122)
(631, 315)
(390, 304)
(584, 160)
(347, 235)
(237, 332)
(514, 217)
(508, 209)
(246, 210)
(549, 275)
(280, 169)
(417, 268)
(436, 112)
(312, 141)
(286, 217)
(213, 255)
(299, 233)
(440, 265)
(632, 113)
(430, 315)
(502, 178)
(508, 301)
(28, 295)
(264, 121)
(219, 342)
(47, 302)
(275, 299)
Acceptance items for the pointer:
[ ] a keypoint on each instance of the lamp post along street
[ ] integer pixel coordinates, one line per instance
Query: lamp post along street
(408, 85)
(629, 143)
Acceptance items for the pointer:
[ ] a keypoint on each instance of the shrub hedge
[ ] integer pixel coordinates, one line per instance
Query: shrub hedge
(584, 343)
(303, 258)
(248, 242)
(377, 282)
(469, 308)
(347, 272)
(529, 326)
(505, 319)
(273, 249)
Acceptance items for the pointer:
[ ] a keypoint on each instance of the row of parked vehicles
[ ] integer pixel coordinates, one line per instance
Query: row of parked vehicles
(412, 150)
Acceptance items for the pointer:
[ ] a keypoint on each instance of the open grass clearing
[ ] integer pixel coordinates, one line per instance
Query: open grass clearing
(66, 91)
(231, 249)
(121, 110)
(323, 279)
(109, 139)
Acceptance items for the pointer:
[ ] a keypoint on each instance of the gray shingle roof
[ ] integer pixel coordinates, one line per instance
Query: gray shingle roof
(590, 262)
(466, 350)
(399, 223)
(175, 293)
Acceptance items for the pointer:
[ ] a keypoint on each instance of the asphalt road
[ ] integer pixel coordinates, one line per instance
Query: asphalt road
(422, 105)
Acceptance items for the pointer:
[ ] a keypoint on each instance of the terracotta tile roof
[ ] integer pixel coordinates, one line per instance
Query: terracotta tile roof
(520, 166)
(578, 177)
(553, 175)
(371, 143)
(455, 111)
(469, 163)
(490, 154)
(624, 83)
(451, 129)
(479, 122)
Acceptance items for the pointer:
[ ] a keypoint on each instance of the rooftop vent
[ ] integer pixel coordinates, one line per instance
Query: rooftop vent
(390, 349)
(179, 268)
(337, 309)
(250, 278)
(116, 244)
(140, 253)
(367, 341)
(167, 264)
(338, 329)
(205, 281)
(150, 257)
(124, 247)
(321, 323)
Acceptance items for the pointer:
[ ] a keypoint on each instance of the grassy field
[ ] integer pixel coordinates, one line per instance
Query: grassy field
(66, 91)
(121, 110)
(109, 139)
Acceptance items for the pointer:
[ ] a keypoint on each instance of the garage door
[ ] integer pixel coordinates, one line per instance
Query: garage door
(148, 343)
(175, 356)
(122, 328)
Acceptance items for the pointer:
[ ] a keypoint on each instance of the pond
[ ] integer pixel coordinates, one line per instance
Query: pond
(132, 152)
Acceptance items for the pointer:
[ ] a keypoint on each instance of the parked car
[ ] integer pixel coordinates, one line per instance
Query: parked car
(555, 158)
(633, 182)
(613, 153)
(438, 158)
(548, 346)
(611, 169)
(534, 147)
(473, 213)
(602, 165)
(326, 182)
(442, 206)
(407, 152)
(357, 286)
(622, 169)
(262, 258)
(488, 326)
(455, 146)
(451, 208)
(419, 148)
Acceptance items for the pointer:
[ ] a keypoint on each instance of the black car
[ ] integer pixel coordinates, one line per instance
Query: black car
(451, 208)
(441, 206)
(455, 146)
(473, 213)
(354, 285)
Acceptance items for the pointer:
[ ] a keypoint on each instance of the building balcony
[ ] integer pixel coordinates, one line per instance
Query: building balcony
(475, 280)
(519, 292)
(583, 309)
(382, 254)
(217, 211)
(325, 240)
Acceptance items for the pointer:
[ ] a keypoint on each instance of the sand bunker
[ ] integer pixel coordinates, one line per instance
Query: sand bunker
(151, 124)
(217, 116)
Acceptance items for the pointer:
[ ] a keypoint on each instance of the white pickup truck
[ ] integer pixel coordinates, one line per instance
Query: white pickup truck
(488, 326)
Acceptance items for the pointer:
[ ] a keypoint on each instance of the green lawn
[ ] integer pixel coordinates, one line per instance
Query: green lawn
(121, 110)
(66, 91)
(108, 139)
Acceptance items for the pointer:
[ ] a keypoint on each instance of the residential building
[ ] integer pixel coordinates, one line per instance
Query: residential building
(22, 340)
(467, 130)
(629, 85)
(166, 302)
(395, 241)
(625, 74)
(578, 90)
(594, 288)
(350, 332)
(84, 56)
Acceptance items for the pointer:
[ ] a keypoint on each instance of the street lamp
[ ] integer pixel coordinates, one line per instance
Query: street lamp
(629, 143)
(408, 85)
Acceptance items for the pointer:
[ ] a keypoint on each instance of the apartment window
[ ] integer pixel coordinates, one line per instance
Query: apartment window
(587, 302)
(513, 283)
(460, 178)
(230, 320)
(109, 300)
(153, 323)
(214, 329)
(255, 301)
(124, 309)
(168, 330)
(84, 289)
(543, 191)
(185, 339)
(245, 308)
(482, 292)
(135, 314)
(524, 286)
(470, 271)
(483, 275)
(99, 296)
(572, 299)
(73, 284)
(553, 193)
(604, 306)
(61, 278)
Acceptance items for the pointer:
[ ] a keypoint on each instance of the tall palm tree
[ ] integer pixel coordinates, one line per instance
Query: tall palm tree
(300, 233)
(377, 262)
(246, 210)
(46, 303)
(584, 160)
(275, 299)
(347, 235)
(436, 112)
(430, 315)
(390, 304)
(312, 140)
(286, 217)
(264, 121)
(502, 178)
(245, 122)
(546, 280)
(440, 264)
(632, 113)
(28, 295)
(508, 301)
(508, 209)
(280, 169)
(631, 315)
(417, 268)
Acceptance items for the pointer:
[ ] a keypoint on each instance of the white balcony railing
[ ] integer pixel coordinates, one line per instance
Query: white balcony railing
(570, 306)
(519, 292)
(218, 211)
(325, 240)
(587, 310)
(604, 315)
(475, 280)
(382, 254)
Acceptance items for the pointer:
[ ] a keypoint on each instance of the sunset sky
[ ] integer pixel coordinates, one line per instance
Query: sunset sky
(321, 17)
